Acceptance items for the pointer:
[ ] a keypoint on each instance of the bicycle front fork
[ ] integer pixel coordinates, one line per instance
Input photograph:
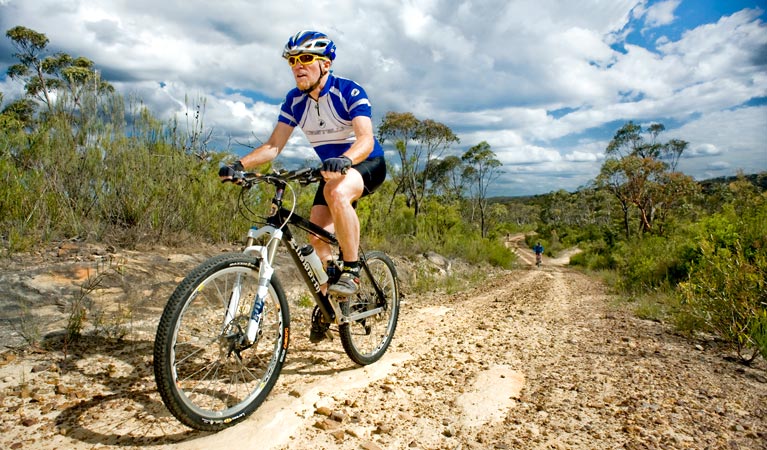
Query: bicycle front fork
(265, 254)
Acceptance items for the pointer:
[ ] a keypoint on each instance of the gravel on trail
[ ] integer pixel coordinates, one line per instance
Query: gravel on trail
(534, 358)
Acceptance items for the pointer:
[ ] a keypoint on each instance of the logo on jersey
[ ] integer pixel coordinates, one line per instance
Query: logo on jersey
(355, 92)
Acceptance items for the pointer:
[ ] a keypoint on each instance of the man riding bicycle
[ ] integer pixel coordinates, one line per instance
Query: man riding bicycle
(538, 249)
(335, 115)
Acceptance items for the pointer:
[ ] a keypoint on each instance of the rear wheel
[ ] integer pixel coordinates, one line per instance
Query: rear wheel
(365, 340)
(208, 376)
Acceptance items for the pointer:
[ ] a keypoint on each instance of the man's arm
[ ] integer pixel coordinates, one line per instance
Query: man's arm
(363, 145)
(269, 149)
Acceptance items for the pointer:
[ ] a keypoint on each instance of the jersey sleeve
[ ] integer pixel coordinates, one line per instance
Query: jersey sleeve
(287, 116)
(357, 101)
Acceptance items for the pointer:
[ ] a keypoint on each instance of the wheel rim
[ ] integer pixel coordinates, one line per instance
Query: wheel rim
(370, 335)
(209, 377)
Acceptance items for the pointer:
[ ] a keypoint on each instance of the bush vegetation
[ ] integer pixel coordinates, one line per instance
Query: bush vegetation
(705, 272)
(701, 264)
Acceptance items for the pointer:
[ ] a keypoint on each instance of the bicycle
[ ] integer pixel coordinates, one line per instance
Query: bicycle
(223, 335)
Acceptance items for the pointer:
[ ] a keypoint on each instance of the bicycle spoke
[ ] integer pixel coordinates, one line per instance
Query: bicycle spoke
(365, 340)
(208, 367)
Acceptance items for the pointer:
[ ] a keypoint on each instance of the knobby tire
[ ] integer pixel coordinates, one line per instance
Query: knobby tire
(365, 341)
(205, 381)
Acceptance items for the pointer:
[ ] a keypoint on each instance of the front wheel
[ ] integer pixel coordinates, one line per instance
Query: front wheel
(366, 340)
(207, 373)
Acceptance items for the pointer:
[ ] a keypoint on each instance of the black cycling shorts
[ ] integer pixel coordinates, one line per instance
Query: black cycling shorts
(373, 173)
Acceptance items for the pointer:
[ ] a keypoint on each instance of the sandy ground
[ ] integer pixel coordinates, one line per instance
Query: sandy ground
(531, 359)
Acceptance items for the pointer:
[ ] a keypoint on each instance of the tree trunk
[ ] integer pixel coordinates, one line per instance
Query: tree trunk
(626, 225)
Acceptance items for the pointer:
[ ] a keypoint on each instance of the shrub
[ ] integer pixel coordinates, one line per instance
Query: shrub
(726, 291)
(595, 255)
(652, 263)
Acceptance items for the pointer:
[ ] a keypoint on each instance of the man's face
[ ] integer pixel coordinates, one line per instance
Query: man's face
(306, 75)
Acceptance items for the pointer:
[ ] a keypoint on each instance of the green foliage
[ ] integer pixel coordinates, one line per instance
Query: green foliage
(97, 182)
(706, 275)
(757, 332)
(596, 254)
(429, 281)
(640, 173)
(696, 259)
(492, 251)
(70, 78)
(652, 263)
(418, 144)
(383, 217)
(726, 291)
(482, 169)
(657, 306)
(443, 230)
(305, 300)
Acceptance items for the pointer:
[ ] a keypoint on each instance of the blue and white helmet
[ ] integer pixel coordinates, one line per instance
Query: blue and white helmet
(312, 42)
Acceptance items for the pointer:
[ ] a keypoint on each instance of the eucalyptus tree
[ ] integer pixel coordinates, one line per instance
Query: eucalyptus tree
(637, 175)
(401, 129)
(418, 144)
(445, 176)
(482, 169)
(48, 77)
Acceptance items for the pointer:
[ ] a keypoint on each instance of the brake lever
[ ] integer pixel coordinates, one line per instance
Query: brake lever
(238, 177)
(312, 176)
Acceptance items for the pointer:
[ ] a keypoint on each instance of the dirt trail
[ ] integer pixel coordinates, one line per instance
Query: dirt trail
(532, 359)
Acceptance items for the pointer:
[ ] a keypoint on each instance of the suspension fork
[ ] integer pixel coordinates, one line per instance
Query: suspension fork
(265, 254)
(234, 302)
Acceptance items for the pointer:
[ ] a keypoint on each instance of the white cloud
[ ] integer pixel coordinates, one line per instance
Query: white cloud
(704, 149)
(578, 156)
(661, 13)
(11, 90)
(527, 154)
(718, 166)
(530, 77)
(731, 139)
(732, 47)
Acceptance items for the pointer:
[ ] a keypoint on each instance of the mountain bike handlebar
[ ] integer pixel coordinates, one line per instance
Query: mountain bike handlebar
(304, 177)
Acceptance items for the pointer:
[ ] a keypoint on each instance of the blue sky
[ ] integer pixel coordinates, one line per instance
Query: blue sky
(545, 82)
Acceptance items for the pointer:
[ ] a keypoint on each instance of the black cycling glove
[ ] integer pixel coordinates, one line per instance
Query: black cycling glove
(230, 170)
(340, 164)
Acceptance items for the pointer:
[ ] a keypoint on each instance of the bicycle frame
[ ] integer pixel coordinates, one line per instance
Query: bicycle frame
(276, 227)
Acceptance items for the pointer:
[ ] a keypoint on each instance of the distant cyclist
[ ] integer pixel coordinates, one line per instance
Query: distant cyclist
(538, 249)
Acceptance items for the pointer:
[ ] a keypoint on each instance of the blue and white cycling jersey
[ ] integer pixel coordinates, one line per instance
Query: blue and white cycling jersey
(327, 123)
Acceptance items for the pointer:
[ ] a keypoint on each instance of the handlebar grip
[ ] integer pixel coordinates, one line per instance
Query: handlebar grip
(236, 178)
